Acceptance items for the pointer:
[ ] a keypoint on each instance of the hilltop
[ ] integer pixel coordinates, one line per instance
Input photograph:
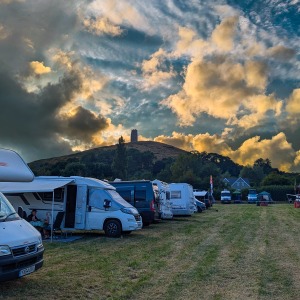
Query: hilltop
(160, 150)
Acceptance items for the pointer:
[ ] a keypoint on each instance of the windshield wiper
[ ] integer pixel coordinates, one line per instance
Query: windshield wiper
(8, 216)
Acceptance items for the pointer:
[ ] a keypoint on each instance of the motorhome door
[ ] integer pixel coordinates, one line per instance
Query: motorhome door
(81, 202)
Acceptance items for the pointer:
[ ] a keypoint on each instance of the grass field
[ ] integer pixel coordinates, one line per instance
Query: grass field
(228, 252)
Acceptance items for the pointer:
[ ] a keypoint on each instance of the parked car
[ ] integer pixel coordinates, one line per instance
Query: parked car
(204, 197)
(200, 206)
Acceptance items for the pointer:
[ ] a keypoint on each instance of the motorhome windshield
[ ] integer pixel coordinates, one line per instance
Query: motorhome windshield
(116, 196)
(7, 212)
(226, 194)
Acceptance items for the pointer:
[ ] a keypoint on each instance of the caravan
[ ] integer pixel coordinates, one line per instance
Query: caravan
(165, 208)
(182, 199)
(85, 203)
(21, 248)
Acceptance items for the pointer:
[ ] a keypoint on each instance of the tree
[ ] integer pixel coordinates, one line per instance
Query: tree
(120, 162)
(265, 164)
(276, 179)
(255, 174)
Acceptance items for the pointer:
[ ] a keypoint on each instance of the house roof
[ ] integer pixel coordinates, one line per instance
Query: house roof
(233, 180)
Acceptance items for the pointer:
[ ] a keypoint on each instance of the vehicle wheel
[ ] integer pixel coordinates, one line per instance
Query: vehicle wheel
(112, 228)
(126, 232)
(199, 209)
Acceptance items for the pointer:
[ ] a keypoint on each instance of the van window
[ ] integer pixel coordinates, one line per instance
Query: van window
(167, 195)
(140, 195)
(126, 195)
(175, 194)
(48, 196)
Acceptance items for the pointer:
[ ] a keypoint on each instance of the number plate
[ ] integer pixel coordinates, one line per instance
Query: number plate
(26, 271)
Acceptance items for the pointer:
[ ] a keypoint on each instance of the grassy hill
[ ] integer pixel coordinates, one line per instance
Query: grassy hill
(160, 151)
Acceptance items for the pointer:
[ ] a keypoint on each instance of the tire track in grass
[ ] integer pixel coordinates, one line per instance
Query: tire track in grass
(184, 255)
(235, 258)
(280, 265)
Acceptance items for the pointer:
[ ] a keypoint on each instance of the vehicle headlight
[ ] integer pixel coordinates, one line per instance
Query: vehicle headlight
(40, 243)
(128, 210)
(4, 250)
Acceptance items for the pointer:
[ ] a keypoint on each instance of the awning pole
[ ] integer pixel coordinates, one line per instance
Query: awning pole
(52, 215)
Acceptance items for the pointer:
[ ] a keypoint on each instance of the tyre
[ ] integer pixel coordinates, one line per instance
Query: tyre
(112, 228)
(199, 209)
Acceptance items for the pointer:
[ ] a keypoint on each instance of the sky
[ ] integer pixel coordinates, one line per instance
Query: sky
(216, 76)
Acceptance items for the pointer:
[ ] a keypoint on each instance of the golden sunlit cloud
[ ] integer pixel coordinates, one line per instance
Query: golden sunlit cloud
(102, 26)
(152, 69)
(223, 35)
(39, 68)
(256, 74)
(220, 88)
(277, 149)
(189, 43)
(293, 106)
(118, 12)
(91, 81)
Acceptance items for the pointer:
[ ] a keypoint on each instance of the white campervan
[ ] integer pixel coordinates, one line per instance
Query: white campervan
(165, 208)
(225, 196)
(182, 199)
(83, 203)
(21, 248)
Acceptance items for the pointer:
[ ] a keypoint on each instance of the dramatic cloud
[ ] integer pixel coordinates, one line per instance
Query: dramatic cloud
(281, 52)
(80, 75)
(222, 88)
(249, 151)
(293, 106)
(155, 71)
(38, 68)
(102, 26)
(223, 35)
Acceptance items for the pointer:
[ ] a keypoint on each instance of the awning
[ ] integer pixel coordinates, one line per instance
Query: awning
(37, 185)
(200, 193)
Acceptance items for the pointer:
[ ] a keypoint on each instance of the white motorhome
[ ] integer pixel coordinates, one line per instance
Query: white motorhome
(86, 203)
(225, 196)
(182, 199)
(165, 208)
(21, 248)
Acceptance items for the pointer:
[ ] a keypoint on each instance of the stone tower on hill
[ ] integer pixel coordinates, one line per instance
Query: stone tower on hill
(134, 135)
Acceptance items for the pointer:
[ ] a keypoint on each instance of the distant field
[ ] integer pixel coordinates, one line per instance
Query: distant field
(228, 252)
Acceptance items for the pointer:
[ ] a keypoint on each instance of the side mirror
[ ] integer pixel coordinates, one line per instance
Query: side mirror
(106, 203)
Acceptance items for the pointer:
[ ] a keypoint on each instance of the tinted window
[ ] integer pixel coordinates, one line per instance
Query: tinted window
(175, 194)
(125, 195)
(48, 196)
(140, 195)
(168, 195)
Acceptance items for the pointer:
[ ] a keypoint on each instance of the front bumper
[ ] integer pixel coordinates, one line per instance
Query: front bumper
(11, 266)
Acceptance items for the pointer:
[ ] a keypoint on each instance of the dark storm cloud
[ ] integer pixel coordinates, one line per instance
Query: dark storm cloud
(30, 122)
(83, 124)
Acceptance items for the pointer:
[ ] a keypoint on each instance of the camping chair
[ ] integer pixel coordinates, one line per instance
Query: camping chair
(57, 223)
(21, 212)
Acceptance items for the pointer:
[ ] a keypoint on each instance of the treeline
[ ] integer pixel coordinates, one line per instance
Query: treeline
(193, 167)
